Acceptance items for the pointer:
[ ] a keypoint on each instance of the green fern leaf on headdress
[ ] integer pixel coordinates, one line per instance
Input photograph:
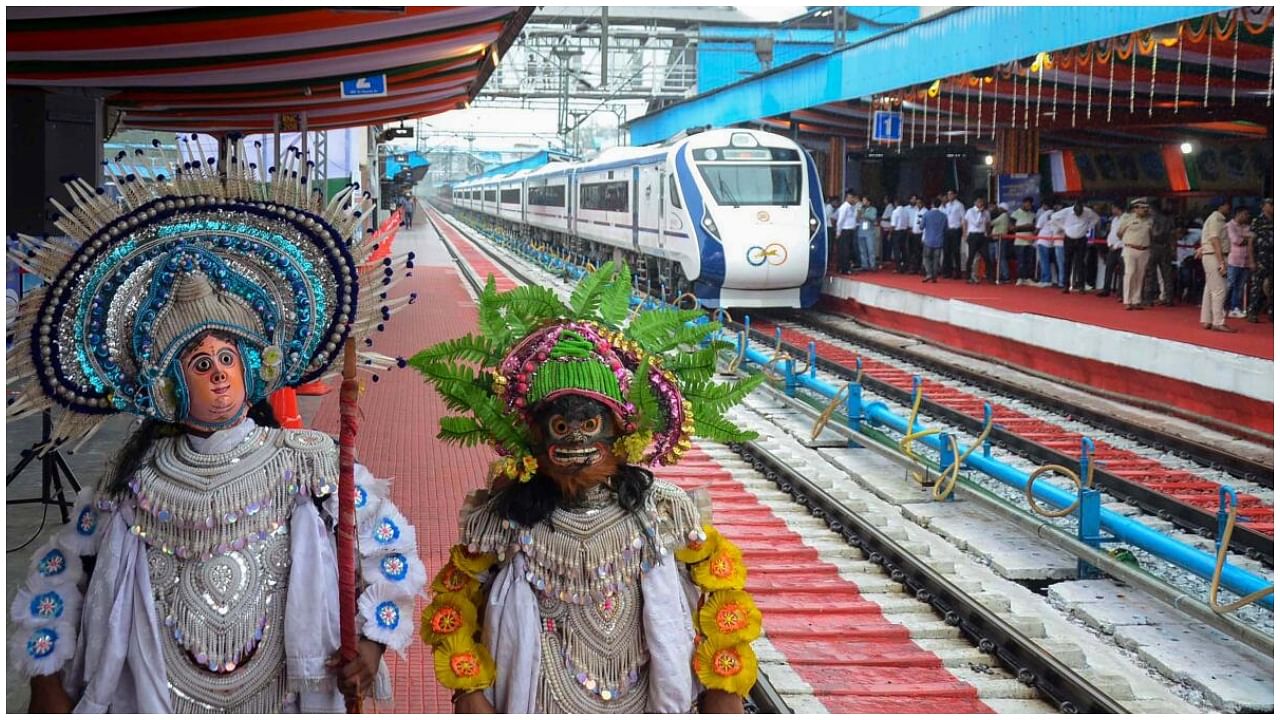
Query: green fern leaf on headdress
(501, 427)
(649, 328)
(717, 429)
(489, 310)
(616, 299)
(462, 431)
(699, 365)
(532, 305)
(686, 337)
(641, 395)
(586, 296)
(714, 397)
(470, 348)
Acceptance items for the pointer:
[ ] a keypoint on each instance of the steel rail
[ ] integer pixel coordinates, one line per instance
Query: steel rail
(1250, 542)
(1031, 664)
(1208, 455)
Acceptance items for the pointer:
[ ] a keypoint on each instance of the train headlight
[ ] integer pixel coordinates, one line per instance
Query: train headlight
(813, 222)
(710, 225)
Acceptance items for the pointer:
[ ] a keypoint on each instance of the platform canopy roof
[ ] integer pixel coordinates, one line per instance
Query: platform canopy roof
(1094, 76)
(237, 68)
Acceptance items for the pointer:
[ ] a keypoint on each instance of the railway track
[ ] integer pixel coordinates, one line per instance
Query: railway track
(1182, 497)
(1012, 656)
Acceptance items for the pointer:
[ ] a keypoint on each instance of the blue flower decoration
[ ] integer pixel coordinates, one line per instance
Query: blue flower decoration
(387, 615)
(53, 563)
(42, 642)
(362, 497)
(387, 532)
(47, 606)
(87, 522)
(394, 567)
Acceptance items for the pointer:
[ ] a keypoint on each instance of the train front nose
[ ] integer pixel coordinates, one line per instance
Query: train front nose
(770, 251)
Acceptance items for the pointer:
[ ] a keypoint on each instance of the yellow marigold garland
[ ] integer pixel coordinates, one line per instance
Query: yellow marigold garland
(473, 564)
(448, 616)
(722, 570)
(696, 551)
(730, 616)
(731, 668)
(463, 664)
(632, 447)
(521, 469)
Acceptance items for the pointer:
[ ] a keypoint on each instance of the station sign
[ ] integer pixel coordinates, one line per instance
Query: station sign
(887, 126)
(367, 86)
(400, 132)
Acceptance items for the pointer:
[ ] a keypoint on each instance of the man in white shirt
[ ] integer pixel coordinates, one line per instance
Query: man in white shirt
(900, 227)
(916, 243)
(1046, 231)
(846, 231)
(1024, 227)
(1115, 262)
(833, 204)
(1077, 222)
(888, 250)
(954, 210)
(974, 228)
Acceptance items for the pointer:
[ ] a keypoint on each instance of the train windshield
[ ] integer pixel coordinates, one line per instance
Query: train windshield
(740, 184)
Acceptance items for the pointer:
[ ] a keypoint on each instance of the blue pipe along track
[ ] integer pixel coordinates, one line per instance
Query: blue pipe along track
(1122, 529)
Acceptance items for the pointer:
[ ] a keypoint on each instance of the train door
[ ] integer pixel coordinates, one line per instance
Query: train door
(635, 208)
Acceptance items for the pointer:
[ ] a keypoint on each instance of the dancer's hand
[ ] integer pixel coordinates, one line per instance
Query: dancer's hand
(357, 678)
(719, 702)
(48, 696)
(473, 703)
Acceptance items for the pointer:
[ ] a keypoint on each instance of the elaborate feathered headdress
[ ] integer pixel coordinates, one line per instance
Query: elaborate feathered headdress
(653, 369)
(229, 248)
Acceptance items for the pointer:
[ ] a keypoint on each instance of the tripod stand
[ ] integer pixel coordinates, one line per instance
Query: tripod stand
(53, 471)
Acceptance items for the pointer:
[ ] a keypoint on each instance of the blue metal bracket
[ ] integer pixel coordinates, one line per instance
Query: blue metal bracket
(1224, 507)
(945, 458)
(987, 412)
(813, 360)
(789, 370)
(1090, 528)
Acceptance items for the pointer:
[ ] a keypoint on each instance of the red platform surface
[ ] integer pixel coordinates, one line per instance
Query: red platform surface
(837, 641)
(397, 439)
(1180, 322)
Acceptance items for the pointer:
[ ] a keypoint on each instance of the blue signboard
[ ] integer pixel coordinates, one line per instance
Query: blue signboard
(887, 127)
(367, 86)
(1012, 188)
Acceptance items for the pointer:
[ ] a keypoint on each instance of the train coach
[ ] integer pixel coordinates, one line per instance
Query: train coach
(735, 217)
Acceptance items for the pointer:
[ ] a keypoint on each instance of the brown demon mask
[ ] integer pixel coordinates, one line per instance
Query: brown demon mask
(575, 437)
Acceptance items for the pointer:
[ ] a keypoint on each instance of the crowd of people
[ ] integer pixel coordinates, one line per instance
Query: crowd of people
(1143, 253)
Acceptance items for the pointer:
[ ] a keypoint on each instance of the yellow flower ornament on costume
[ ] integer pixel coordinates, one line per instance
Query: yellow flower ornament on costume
(731, 668)
(452, 580)
(730, 616)
(463, 664)
(449, 615)
(473, 564)
(722, 570)
(696, 551)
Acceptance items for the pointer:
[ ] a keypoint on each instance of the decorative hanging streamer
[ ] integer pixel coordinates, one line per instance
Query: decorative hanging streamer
(1151, 96)
(1208, 65)
(1271, 74)
(924, 125)
(1054, 106)
(937, 137)
(1026, 103)
(1088, 103)
(912, 94)
(1111, 82)
(995, 101)
(1235, 61)
(951, 111)
(1075, 83)
(1040, 62)
(1133, 75)
(965, 126)
(978, 133)
(1177, 75)
(871, 119)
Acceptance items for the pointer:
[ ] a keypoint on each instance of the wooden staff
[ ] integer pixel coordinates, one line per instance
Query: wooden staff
(349, 398)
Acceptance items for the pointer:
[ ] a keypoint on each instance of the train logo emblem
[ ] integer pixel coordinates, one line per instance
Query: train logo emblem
(774, 254)
(763, 216)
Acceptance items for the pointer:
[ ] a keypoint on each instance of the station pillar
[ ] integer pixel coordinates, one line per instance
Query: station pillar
(50, 135)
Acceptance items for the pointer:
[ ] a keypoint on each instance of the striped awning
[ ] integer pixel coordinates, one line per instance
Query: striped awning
(238, 68)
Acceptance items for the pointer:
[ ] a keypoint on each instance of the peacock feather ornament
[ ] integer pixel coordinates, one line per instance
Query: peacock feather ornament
(653, 368)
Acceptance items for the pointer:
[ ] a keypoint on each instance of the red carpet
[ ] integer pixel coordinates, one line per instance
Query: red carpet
(1181, 323)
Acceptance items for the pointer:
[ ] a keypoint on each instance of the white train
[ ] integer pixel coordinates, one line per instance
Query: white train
(734, 216)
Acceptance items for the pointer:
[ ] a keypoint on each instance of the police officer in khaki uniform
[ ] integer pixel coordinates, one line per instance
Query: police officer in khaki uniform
(1135, 233)
(1213, 254)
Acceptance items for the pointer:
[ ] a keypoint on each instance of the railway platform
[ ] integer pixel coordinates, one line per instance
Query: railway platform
(1160, 355)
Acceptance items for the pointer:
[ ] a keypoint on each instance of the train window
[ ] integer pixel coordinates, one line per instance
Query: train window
(490, 195)
(742, 184)
(511, 197)
(674, 192)
(547, 196)
(608, 196)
